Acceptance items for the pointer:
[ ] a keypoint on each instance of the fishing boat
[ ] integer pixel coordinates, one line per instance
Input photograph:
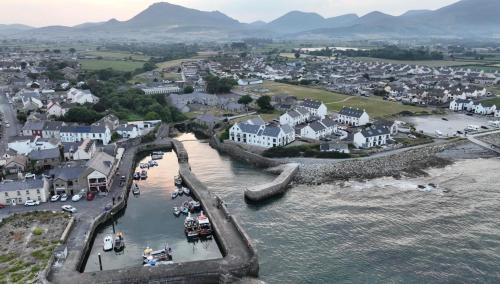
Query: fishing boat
(191, 227)
(144, 166)
(157, 155)
(175, 193)
(194, 205)
(150, 255)
(119, 243)
(177, 212)
(137, 175)
(186, 190)
(144, 174)
(204, 226)
(178, 181)
(135, 189)
(108, 243)
(184, 210)
(153, 163)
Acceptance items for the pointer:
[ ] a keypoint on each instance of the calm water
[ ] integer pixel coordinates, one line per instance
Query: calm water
(381, 231)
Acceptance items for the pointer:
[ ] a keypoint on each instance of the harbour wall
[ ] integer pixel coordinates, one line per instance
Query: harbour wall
(275, 187)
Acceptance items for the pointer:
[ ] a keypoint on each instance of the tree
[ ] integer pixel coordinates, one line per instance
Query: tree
(264, 103)
(245, 100)
(188, 89)
(297, 54)
(72, 50)
(151, 116)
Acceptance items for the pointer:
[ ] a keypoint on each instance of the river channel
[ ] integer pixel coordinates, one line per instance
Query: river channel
(381, 231)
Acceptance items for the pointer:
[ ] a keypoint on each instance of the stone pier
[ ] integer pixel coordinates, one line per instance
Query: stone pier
(275, 187)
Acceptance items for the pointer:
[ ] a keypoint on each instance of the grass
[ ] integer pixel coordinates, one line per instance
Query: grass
(118, 65)
(116, 55)
(375, 106)
(496, 101)
(172, 76)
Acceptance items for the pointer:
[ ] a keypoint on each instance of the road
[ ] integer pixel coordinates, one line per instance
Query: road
(9, 115)
(473, 138)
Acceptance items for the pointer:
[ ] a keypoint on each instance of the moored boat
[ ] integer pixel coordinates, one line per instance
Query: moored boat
(204, 226)
(186, 190)
(135, 189)
(175, 193)
(158, 155)
(151, 255)
(119, 243)
(194, 205)
(177, 212)
(137, 175)
(108, 243)
(178, 181)
(153, 163)
(191, 227)
(144, 174)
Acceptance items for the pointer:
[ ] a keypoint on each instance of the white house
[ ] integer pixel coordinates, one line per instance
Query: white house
(318, 129)
(55, 109)
(484, 108)
(128, 131)
(497, 113)
(18, 192)
(266, 136)
(372, 137)
(459, 104)
(101, 169)
(294, 117)
(353, 116)
(85, 151)
(316, 108)
(247, 82)
(79, 133)
(81, 97)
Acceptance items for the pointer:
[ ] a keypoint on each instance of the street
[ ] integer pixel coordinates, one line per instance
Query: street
(9, 115)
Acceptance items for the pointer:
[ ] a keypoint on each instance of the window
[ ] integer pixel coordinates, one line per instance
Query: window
(38, 191)
(18, 193)
(39, 198)
(27, 192)
(20, 200)
(6, 194)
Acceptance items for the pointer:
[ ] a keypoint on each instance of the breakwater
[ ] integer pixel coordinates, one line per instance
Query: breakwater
(277, 186)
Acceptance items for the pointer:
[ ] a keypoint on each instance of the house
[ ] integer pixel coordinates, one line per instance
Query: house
(372, 136)
(393, 126)
(316, 108)
(266, 136)
(459, 104)
(69, 180)
(100, 171)
(335, 146)
(248, 82)
(52, 129)
(318, 129)
(15, 164)
(497, 113)
(485, 108)
(82, 132)
(296, 116)
(85, 151)
(208, 120)
(353, 116)
(18, 192)
(45, 159)
(25, 146)
(128, 131)
(110, 121)
(55, 109)
(33, 128)
(81, 97)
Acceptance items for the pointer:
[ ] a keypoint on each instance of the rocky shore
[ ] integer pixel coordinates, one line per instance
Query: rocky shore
(410, 162)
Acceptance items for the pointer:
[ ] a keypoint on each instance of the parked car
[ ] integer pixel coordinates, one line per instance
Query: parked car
(68, 208)
(54, 198)
(76, 197)
(64, 197)
(2, 206)
(90, 196)
(31, 202)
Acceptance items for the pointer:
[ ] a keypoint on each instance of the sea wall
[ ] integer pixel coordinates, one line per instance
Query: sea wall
(237, 152)
(409, 162)
(275, 187)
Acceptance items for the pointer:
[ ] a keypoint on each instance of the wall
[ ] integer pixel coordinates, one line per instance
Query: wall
(275, 187)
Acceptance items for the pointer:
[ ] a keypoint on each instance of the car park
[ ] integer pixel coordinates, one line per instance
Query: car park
(90, 196)
(64, 197)
(54, 198)
(68, 208)
(76, 197)
(31, 202)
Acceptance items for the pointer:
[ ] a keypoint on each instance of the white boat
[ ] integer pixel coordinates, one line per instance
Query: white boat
(135, 189)
(194, 205)
(175, 193)
(150, 255)
(119, 244)
(157, 155)
(177, 212)
(108, 243)
(186, 190)
(144, 174)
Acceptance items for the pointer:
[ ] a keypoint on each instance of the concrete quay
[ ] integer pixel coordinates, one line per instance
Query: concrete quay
(277, 186)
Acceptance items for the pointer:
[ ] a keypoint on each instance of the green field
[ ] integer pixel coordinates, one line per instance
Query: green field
(118, 65)
(117, 55)
(430, 63)
(375, 106)
(496, 101)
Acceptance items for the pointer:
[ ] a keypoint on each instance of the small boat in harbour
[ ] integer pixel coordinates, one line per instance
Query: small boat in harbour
(178, 181)
(108, 243)
(144, 166)
(184, 210)
(186, 190)
(175, 193)
(135, 189)
(119, 243)
(162, 255)
(177, 212)
(137, 175)
(194, 205)
(158, 155)
(205, 228)
(152, 163)
(191, 227)
(144, 174)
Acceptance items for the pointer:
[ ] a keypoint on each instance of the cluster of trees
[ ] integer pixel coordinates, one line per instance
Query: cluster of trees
(395, 53)
(82, 114)
(323, 52)
(264, 103)
(296, 82)
(216, 85)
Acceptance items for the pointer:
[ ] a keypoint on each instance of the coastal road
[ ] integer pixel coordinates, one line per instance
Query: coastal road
(8, 115)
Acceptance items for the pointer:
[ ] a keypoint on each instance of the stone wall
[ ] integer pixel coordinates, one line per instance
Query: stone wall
(275, 187)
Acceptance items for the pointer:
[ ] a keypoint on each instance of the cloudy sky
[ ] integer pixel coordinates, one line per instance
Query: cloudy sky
(72, 12)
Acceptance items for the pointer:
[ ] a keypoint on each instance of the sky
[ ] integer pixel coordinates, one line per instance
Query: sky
(72, 12)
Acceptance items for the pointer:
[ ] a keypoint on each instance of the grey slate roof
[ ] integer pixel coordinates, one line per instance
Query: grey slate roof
(83, 129)
(102, 163)
(33, 125)
(52, 125)
(287, 129)
(271, 131)
(21, 185)
(352, 112)
(328, 122)
(66, 174)
(249, 128)
(311, 104)
(256, 121)
(38, 155)
(317, 126)
(375, 131)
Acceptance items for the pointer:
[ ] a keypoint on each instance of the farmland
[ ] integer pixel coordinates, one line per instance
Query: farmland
(118, 65)
(116, 55)
(375, 106)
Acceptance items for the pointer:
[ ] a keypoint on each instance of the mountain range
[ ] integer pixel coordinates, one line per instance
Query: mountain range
(165, 21)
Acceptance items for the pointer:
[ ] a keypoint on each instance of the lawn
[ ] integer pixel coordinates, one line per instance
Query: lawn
(375, 106)
(430, 63)
(496, 101)
(117, 65)
(116, 55)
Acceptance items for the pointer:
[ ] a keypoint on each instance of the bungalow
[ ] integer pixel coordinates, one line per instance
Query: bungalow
(316, 108)
(81, 97)
(79, 133)
(353, 116)
(294, 117)
(371, 137)
(68, 180)
(18, 192)
(99, 172)
(266, 136)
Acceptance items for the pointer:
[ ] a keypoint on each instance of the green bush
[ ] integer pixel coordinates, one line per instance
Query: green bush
(37, 231)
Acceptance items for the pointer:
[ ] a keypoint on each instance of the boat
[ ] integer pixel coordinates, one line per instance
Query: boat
(194, 205)
(184, 210)
(177, 212)
(432, 185)
(153, 262)
(158, 155)
(153, 163)
(119, 243)
(175, 193)
(143, 166)
(191, 227)
(150, 255)
(186, 190)
(178, 181)
(135, 189)
(108, 243)
(137, 175)
(421, 186)
(205, 228)
(144, 174)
